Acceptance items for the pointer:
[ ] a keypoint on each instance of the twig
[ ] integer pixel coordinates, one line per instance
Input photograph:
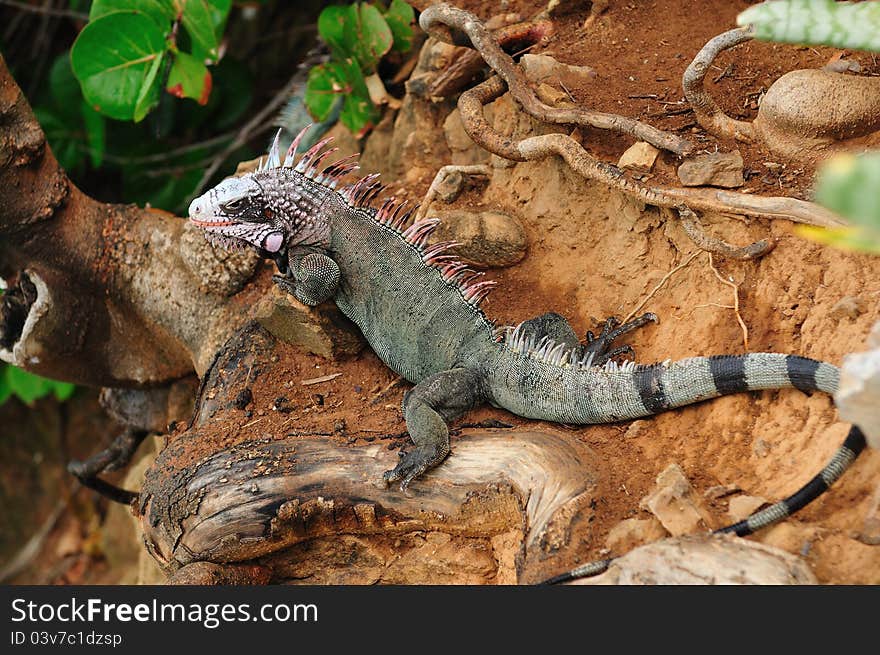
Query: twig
(662, 281)
(42, 9)
(163, 156)
(739, 319)
(258, 124)
(388, 387)
(323, 378)
(469, 30)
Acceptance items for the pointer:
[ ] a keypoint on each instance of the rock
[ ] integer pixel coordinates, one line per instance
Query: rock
(218, 270)
(552, 96)
(557, 8)
(724, 169)
(544, 68)
(858, 398)
(673, 502)
(639, 157)
(850, 307)
(714, 560)
(464, 150)
(631, 533)
(870, 533)
(741, 507)
(488, 239)
(636, 429)
(808, 110)
(322, 330)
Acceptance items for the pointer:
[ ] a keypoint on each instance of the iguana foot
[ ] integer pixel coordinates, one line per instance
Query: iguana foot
(114, 457)
(415, 462)
(611, 330)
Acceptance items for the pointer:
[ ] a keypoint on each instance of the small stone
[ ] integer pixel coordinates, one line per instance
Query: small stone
(722, 169)
(282, 404)
(450, 186)
(857, 397)
(636, 429)
(850, 307)
(639, 157)
(486, 239)
(552, 95)
(632, 533)
(761, 448)
(742, 507)
(243, 398)
(562, 7)
(544, 68)
(322, 330)
(674, 503)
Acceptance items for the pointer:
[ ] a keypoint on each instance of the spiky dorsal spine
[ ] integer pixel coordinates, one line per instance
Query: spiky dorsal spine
(392, 214)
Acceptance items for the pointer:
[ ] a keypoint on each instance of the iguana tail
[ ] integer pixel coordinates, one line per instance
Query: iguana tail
(542, 380)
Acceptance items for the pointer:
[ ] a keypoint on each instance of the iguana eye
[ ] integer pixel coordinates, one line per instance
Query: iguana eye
(234, 205)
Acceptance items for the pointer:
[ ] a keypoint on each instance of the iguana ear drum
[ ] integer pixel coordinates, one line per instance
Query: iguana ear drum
(273, 241)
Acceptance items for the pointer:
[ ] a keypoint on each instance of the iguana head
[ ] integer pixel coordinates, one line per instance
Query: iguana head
(277, 206)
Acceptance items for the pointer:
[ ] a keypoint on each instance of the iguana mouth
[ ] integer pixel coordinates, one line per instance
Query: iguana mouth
(211, 223)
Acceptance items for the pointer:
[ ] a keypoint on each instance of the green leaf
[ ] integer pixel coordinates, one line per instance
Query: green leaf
(322, 88)
(64, 88)
(96, 133)
(189, 78)
(850, 185)
(5, 388)
(204, 20)
(160, 11)
(232, 93)
(369, 36)
(331, 27)
(149, 93)
(852, 25)
(63, 390)
(400, 17)
(63, 138)
(113, 57)
(359, 113)
(27, 386)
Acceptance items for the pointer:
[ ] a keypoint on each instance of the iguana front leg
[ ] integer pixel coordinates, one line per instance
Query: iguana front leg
(427, 408)
(309, 275)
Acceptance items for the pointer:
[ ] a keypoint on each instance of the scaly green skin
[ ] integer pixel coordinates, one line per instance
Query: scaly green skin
(419, 310)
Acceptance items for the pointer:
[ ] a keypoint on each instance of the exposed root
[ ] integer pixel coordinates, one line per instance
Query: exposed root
(710, 244)
(735, 287)
(708, 113)
(657, 287)
(468, 30)
(535, 148)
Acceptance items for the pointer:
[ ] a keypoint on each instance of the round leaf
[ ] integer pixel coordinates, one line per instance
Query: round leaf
(112, 58)
(400, 17)
(161, 11)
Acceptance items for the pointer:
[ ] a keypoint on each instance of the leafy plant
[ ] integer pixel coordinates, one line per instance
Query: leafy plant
(853, 25)
(850, 185)
(129, 50)
(358, 35)
(29, 387)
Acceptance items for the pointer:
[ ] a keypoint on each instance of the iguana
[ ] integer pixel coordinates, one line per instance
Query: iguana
(419, 309)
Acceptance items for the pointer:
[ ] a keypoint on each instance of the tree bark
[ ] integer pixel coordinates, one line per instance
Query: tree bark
(100, 294)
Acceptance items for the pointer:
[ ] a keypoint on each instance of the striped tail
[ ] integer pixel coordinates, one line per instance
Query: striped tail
(662, 387)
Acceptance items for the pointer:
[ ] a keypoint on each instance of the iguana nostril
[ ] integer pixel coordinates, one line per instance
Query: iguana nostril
(195, 208)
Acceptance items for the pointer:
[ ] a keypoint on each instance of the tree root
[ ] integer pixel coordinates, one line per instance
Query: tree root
(717, 246)
(536, 148)
(708, 113)
(468, 30)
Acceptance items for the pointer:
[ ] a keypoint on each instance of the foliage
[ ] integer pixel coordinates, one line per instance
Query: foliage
(29, 387)
(850, 185)
(149, 172)
(847, 184)
(129, 48)
(358, 35)
(852, 25)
